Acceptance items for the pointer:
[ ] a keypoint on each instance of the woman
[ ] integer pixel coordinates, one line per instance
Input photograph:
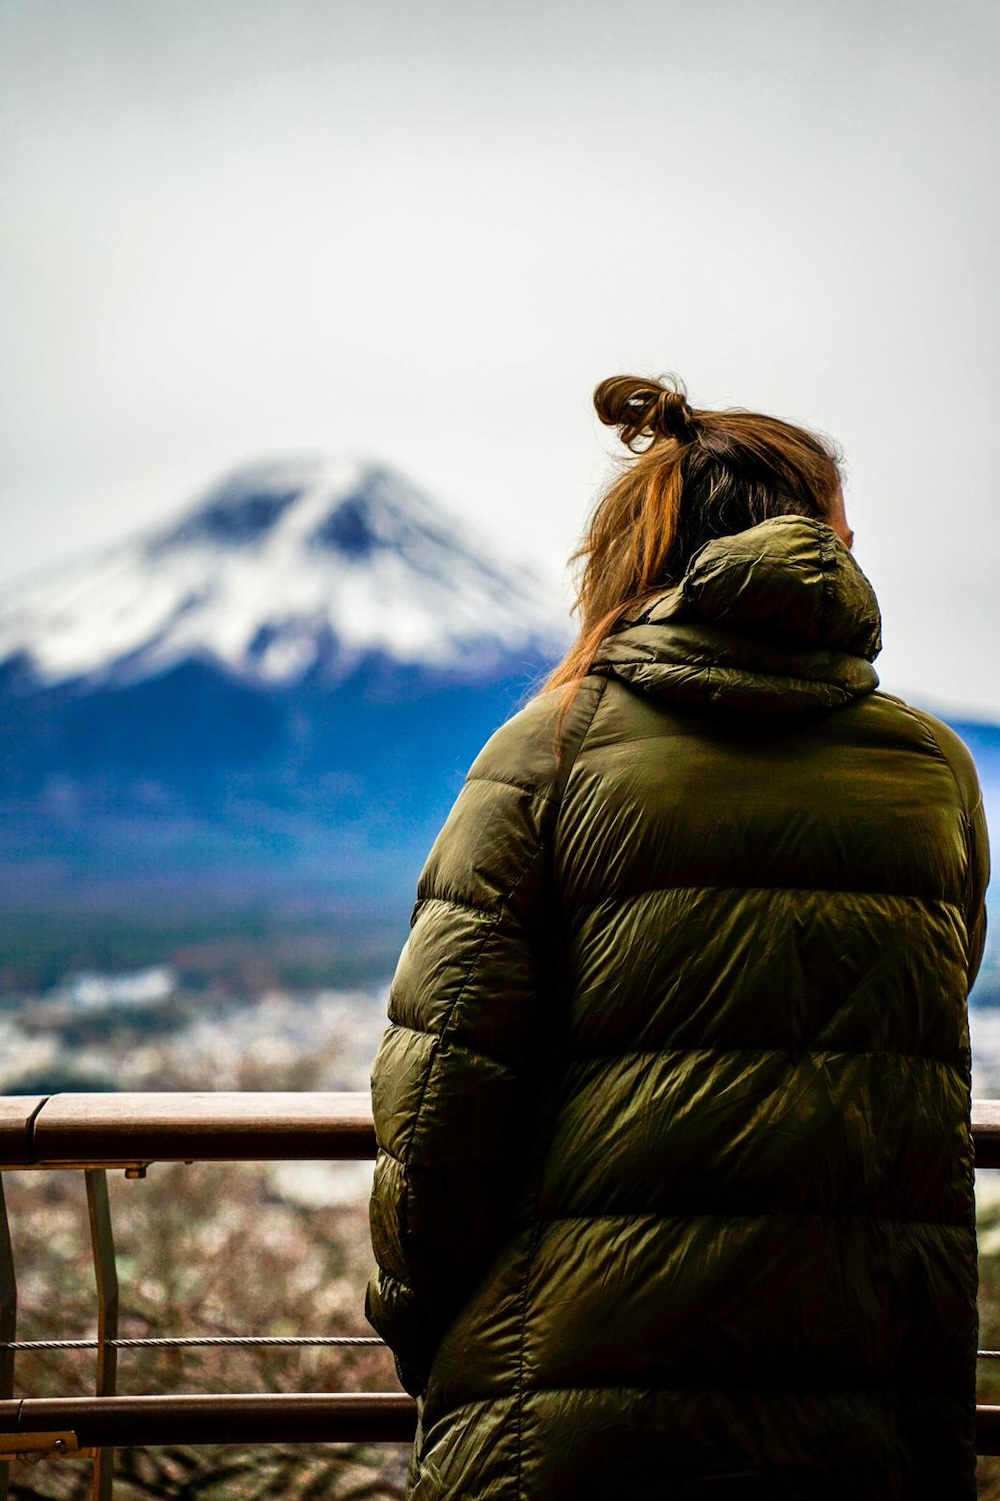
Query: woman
(674, 1192)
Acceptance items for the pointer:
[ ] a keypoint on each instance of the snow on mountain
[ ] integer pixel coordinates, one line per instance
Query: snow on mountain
(285, 566)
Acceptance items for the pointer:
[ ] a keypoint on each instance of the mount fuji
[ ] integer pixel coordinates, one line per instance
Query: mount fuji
(274, 696)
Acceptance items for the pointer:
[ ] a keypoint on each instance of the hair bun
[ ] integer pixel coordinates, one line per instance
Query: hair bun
(644, 409)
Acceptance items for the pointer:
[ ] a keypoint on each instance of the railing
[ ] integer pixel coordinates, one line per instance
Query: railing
(94, 1133)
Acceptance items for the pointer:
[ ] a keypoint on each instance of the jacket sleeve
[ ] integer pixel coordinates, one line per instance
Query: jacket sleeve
(977, 844)
(452, 1076)
(979, 875)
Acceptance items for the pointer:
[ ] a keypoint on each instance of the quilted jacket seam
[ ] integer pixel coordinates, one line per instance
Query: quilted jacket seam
(757, 1385)
(455, 901)
(591, 1216)
(388, 1276)
(801, 1051)
(386, 1152)
(634, 896)
(459, 1042)
(493, 914)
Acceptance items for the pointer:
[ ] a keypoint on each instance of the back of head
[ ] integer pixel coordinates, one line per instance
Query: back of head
(691, 475)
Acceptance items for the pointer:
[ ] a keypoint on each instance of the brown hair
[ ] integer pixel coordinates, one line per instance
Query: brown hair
(694, 475)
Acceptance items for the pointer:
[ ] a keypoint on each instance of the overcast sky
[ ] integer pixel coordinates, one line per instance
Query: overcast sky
(245, 228)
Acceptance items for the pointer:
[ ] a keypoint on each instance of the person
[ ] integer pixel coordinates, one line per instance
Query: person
(674, 1193)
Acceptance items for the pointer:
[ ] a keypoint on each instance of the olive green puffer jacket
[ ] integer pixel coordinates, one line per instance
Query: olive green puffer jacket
(674, 1191)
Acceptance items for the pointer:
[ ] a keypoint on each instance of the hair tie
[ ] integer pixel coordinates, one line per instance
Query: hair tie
(675, 419)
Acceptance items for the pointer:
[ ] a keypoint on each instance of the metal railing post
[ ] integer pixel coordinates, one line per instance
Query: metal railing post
(8, 1321)
(106, 1273)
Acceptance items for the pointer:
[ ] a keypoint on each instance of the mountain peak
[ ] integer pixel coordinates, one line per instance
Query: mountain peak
(244, 507)
(372, 517)
(283, 567)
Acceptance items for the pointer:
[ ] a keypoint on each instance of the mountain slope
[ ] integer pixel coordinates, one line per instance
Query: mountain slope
(279, 693)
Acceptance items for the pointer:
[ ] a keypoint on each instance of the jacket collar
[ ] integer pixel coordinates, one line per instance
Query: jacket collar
(776, 619)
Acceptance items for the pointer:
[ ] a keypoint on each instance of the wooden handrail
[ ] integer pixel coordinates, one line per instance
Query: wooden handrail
(114, 1130)
(986, 1132)
(244, 1417)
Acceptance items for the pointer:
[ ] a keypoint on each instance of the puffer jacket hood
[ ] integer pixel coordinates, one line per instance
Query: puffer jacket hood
(777, 619)
(674, 1190)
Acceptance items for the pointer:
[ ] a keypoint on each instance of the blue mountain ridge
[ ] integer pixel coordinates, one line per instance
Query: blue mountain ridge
(197, 783)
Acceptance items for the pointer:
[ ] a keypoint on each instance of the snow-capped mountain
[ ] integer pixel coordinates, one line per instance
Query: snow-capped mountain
(284, 567)
(280, 691)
